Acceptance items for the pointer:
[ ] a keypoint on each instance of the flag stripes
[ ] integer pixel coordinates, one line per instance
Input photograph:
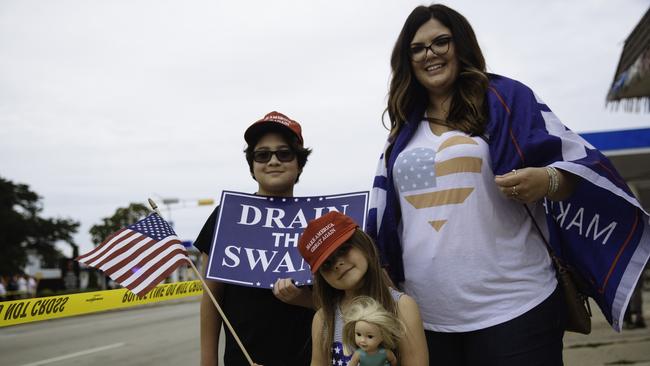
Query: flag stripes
(140, 256)
(157, 258)
(130, 243)
(439, 198)
(159, 274)
(105, 246)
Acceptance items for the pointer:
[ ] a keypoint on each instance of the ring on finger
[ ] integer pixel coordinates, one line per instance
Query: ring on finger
(514, 192)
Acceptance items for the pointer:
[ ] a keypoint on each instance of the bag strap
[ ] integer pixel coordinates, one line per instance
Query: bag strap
(559, 266)
(558, 263)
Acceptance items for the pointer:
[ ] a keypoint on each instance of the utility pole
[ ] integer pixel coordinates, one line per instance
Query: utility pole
(174, 203)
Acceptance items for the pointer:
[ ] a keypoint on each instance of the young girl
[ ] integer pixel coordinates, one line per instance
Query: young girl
(345, 264)
(373, 331)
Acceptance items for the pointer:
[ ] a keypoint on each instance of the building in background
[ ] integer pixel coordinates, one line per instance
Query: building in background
(631, 84)
(629, 150)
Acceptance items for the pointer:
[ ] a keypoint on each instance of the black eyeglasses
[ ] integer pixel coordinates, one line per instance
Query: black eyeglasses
(438, 46)
(339, 252)
(264, 156)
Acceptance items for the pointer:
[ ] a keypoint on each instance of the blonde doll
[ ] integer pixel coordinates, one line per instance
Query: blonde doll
(373, 331)
(345, 264)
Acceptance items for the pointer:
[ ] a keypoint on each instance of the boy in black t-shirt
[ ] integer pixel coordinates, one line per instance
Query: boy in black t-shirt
(274, 326)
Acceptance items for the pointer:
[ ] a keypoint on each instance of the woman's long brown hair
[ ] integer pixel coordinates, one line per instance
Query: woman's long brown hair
(468, 112)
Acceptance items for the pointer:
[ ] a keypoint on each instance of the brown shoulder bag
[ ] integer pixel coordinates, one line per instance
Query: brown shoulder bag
(573, 286)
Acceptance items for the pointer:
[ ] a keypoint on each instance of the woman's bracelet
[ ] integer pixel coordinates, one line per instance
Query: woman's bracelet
(553, 181)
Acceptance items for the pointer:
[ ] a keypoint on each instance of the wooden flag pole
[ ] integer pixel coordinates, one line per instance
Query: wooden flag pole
(214, 301)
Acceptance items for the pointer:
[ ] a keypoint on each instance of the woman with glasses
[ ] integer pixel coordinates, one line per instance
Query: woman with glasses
(274, 325)
(466, 150)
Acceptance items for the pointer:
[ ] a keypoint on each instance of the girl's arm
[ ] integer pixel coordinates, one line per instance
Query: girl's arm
(354, 361)
(317, 356)
(390, 356)
(413, 346)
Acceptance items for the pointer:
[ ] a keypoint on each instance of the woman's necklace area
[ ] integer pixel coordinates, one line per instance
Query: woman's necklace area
(439, 126)
(438, 121)
(430, 113)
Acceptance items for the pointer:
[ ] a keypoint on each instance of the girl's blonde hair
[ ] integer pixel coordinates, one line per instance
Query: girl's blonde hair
(364, 308)
(376, 285)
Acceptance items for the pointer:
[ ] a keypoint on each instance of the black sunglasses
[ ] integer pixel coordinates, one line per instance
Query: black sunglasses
(264, 156)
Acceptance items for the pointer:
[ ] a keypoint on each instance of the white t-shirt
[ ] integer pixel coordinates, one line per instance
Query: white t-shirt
(22, 284)
(472, 257)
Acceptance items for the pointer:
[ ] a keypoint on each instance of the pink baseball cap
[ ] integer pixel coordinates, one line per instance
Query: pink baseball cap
(323, 236)
(272, 120)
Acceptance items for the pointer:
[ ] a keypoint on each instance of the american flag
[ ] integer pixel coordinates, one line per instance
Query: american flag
(139, 256)
(339, 358)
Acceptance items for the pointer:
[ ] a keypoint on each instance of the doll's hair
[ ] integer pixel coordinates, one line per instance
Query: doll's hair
(376, 284)
(364, 308)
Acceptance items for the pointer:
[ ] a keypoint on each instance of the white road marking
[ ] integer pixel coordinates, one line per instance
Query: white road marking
(73, 355)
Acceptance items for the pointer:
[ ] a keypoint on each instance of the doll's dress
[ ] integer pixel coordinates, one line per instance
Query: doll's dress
(376, 359)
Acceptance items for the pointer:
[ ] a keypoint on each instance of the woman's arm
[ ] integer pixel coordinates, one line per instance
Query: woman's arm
(210, 321)
(528, 185)
(317, 356)
(413, 346)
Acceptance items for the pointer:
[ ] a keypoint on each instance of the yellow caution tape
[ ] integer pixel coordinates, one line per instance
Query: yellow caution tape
(42, 308)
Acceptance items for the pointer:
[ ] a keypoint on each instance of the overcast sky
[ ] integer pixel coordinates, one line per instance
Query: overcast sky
(103, 103)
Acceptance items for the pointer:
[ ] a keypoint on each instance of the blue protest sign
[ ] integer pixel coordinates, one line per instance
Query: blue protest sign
(256, 237)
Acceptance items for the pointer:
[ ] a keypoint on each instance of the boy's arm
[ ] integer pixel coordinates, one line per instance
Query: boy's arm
(287, 292)
(210, 321)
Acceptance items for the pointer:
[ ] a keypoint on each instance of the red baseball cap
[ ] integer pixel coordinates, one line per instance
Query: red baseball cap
(323, 236)
(272, 120)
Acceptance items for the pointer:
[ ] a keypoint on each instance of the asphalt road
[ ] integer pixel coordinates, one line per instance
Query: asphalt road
(605, 347)
(167, 334)
(149, 335)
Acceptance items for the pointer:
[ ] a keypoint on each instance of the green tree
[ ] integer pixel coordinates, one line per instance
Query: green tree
(23, 229)
(123, 217)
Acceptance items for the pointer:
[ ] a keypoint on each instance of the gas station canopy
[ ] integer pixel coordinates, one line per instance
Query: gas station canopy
(629, 151)
(632, 79)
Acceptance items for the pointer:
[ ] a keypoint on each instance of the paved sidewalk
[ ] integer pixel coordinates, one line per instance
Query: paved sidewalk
(606, 347)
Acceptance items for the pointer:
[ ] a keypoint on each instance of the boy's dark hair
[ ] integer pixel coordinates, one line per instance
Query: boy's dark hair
(302, 153)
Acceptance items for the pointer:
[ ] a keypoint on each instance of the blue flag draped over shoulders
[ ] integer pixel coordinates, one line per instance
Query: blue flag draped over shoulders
(601, 229)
